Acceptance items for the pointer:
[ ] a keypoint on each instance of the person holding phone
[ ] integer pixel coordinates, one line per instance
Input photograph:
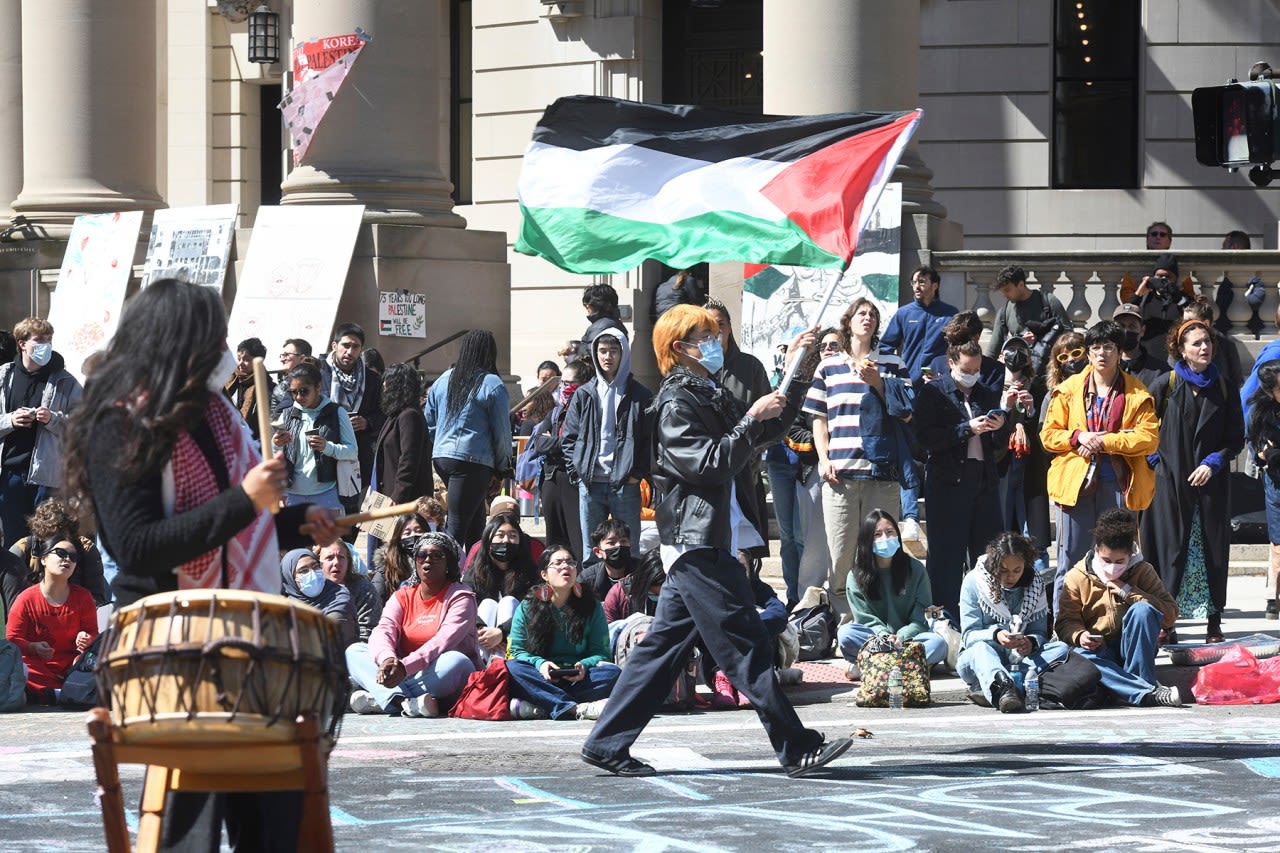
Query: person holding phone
(316, 434)
(1112, 608)
(559, 646)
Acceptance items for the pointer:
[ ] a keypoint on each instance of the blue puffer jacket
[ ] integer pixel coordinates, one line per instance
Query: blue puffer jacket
(480, 432)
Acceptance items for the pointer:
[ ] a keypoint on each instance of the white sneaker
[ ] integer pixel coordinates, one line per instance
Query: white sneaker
(910, 530)
(590, 710)
(421, 706)
(362, 702)
(524, 710)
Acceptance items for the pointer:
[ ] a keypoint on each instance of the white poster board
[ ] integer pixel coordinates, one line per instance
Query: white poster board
(192, 244)
(779, 302)
(293, 275)
(85, 308)
(402, 314)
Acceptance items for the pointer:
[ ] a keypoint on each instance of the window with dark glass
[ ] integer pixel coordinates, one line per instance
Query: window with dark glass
(1095, 94)
(460, 108)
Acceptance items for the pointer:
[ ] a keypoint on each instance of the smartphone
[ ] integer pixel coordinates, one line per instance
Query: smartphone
(1097, 637)
(312, 432)
(926, 371)
(1017, 637)
(996, 413)
(563, 672)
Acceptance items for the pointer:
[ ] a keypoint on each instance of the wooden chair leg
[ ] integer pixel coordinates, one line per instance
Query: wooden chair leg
(108, 773)
(155, 788)
(316, 831)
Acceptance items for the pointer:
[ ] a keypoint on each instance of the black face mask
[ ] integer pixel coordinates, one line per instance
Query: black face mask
(1071, 368)
(1017, 359)
(618, 556)
(1131, 342)
(502, 551)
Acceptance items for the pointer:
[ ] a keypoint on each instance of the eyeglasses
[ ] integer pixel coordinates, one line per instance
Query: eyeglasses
(424, 556)
(563, 561)
(64, 554)
(1070, 355)
(830, 346)
(1159, 234)
(300, 392)
(1105, 347)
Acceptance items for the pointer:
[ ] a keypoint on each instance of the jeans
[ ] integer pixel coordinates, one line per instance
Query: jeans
(597, 501)
(1130, 671)
(559, 699)
(980, 663)
(1271, 493)
(852, 637)
(1075, 528)
(786, 507)
(815, 558)
(328, 498)
(468, 485)
(844, 506)
(18, 499)
(909, 495)
(443, 678)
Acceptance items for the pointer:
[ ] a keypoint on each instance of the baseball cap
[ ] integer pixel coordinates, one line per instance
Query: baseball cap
(1127, 308)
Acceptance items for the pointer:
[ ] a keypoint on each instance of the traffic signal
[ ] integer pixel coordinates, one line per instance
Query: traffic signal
(1238, 124)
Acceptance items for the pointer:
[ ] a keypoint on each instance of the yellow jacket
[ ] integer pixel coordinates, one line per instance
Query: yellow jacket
(1087, 606)
(1139, 436)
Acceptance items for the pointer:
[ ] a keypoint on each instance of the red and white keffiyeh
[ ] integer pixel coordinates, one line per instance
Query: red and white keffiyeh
(253, 554)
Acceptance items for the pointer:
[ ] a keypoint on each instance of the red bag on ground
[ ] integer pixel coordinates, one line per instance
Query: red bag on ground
(487, 694)
(1238, 679)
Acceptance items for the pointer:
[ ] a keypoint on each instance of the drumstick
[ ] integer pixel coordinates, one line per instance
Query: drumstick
(264, 411)
(371, 515)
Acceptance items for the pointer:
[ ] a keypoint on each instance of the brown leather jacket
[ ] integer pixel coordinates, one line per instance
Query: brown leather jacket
(1087, 606)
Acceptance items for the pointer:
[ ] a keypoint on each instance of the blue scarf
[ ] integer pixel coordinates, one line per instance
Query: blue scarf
(1199, 380)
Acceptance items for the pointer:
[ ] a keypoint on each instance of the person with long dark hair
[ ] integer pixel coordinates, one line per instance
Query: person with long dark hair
(559, 651)
(501, 573)
(1263, 432)
(392, 563)
(638, 591)
(888, 592)
(402, 454)
(182, 499)
(467, 412)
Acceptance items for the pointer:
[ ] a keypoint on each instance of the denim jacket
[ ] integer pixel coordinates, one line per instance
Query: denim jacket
(884, 435)
(481, 431)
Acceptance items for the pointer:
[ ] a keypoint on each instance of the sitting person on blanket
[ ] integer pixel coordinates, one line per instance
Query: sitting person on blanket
(501, 573)
(558, 654)
(419, 656)
(888, 591)
(1004, 617)
(1112, 608)
(773, 614)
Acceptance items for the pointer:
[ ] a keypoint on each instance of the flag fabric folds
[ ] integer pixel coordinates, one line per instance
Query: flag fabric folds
(607, 184)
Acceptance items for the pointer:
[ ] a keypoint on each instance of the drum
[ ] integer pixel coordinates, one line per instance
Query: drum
(220, 666)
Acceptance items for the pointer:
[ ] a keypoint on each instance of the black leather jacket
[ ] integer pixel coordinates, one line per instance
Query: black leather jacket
(703, 440)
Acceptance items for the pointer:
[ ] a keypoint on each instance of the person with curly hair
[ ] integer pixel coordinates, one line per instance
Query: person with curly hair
(558, 656)
(402, 453)
(54, 518)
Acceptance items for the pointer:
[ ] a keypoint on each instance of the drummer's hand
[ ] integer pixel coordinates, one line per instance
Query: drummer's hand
(323, 530)
(265, 483)
(42, 650)
(83, 640)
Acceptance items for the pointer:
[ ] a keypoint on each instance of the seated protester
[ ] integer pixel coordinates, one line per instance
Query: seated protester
(393, 561)
(773, 615)
(558, 656)
(302, 578)
(419, 656)
(502, 574)
(1004, 619)
(52, 622)
(611, 550)
(336, 563)
(240, 388)
(316, 434)
(14, 578)
(638, 591)
(54, 519)
(1112, 608)
(504, 505)
(888, 592)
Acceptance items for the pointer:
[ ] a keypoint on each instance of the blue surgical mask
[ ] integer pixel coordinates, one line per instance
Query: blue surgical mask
(41, 353)
(653, 596)
(310, 583)
(885, 547)
(711, 355)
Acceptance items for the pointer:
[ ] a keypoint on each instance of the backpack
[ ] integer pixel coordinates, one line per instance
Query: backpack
(1047, 329)
(1071, 683)
(13, 678)
(816, 627)
(685, 689)
(487, 693)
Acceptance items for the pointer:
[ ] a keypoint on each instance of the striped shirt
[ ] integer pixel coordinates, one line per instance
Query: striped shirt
(836, 394)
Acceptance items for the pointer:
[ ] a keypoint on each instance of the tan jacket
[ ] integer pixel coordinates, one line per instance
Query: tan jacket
(1087, 606)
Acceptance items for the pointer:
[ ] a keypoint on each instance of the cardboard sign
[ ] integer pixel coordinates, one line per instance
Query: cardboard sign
(382, 527)
(402, 314)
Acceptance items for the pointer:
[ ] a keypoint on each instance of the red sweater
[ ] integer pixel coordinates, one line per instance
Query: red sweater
(34, 620)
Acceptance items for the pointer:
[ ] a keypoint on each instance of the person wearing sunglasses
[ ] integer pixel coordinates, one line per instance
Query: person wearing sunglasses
(1100, 426)
(316, 434)
(1159, 236)
(419, 656)
(53, 621)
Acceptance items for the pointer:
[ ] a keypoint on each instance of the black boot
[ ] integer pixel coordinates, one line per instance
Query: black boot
(1004, 695)
(1213, 632)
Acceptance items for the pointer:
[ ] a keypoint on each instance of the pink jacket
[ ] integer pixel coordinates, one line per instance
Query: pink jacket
(457, 630)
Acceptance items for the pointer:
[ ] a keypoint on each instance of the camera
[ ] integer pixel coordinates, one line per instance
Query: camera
(1166, 291)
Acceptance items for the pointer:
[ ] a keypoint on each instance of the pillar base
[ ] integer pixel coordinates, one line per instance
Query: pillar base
(387, 200)
(55, 213)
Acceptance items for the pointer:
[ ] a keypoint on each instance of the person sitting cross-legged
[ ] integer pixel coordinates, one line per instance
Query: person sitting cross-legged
(1112, 608)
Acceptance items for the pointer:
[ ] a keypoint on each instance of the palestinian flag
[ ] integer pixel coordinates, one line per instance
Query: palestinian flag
(607, 184)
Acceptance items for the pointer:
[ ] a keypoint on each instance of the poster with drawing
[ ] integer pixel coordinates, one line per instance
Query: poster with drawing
(294, 275)
(780, 301)
(192, 244)
(85, 307)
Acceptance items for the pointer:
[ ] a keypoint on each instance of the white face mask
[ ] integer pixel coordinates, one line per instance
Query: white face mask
(41, 353)
(1108, 572)
(222, 371)
(310, 583)
(964, 380)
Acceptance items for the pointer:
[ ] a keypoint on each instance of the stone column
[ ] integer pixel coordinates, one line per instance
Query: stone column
(89, 118)
(830, 56)
(382, 142)
(10, 103)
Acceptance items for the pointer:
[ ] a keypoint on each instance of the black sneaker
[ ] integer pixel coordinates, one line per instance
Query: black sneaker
(816, 758)
(622, 766)
(1165, 697)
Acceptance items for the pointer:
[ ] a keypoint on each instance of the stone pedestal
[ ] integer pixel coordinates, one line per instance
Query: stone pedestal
(89, 117)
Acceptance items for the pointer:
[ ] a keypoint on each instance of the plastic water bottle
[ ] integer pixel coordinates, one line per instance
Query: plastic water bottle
(895, 689)
(1032, 702)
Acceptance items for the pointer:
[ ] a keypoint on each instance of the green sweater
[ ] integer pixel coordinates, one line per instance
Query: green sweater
(593, 649)
(892, 613)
